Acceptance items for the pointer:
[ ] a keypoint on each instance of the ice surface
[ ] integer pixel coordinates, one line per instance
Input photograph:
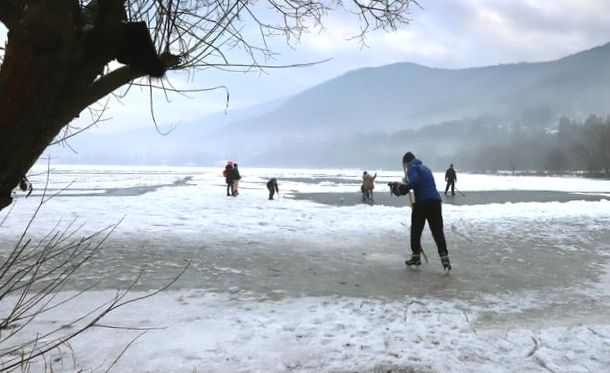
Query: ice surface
(294, 285)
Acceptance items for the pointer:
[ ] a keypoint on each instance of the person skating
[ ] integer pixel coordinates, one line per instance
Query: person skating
(426, 207)
(273, 188)
(451, 179)
(368, 184)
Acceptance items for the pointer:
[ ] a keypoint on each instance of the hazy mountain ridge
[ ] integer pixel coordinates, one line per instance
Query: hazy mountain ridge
(383, 100)
(407, 95)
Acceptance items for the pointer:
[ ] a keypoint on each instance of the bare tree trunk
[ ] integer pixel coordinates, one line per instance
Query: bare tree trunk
(36, 75)
(50, 73)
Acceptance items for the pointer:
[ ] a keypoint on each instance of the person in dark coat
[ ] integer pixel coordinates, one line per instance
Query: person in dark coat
(272, 187)
(451, 179)
(235, 177)
(228, 174)
(426, 207)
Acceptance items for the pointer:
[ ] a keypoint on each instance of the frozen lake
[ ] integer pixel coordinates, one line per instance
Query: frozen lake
(315, 281)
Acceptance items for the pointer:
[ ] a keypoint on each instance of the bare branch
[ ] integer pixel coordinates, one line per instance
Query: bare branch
(70, 131)
(32, 277)
(109, 83)
(125, 350)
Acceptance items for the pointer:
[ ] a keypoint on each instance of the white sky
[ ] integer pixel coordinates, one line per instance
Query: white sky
(447, 33)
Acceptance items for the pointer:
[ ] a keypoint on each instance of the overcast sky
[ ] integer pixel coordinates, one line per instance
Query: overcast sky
(443, 33)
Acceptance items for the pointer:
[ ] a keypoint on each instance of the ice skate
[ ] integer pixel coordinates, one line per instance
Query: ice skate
(414, 261)
(445, 262)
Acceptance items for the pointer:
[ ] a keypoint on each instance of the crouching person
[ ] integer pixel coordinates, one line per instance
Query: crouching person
(272, 187)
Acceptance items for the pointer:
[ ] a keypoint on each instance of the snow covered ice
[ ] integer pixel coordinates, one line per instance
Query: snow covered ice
(299, 285)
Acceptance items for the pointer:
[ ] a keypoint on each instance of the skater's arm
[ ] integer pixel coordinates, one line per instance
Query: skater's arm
(404, 187)
(412, 180)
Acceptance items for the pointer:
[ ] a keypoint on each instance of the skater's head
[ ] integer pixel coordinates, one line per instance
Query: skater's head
(451, 165)
(408, 157)
(235, 165)
(364, 173)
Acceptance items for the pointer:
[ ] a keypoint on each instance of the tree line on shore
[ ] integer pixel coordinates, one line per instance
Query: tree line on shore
(484, 144)
(572, 146)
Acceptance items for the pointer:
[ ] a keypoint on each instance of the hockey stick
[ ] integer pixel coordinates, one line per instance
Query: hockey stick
(463, 195)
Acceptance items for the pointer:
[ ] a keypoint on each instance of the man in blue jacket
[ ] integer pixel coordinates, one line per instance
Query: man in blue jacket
(427, 206)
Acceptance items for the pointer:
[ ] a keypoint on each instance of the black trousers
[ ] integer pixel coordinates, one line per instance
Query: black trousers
(271, 191)
(452, 183)
(430, 211)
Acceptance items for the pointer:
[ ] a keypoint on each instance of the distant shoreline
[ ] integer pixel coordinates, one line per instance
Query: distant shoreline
(470, 197)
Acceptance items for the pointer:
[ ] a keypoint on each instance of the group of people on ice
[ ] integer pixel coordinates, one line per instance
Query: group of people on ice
(425, 206)
(368, 184)
(232, 177)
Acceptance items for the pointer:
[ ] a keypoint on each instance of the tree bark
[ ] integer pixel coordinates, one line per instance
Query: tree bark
(8, 13)
(47, 78)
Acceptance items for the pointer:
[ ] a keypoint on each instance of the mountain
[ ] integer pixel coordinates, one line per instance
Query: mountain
(406, 95)
(385, 99)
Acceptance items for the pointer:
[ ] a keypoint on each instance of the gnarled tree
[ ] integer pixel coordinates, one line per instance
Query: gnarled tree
(58, 56)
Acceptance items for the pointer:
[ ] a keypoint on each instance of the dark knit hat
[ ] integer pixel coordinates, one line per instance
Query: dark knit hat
(408, 157)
